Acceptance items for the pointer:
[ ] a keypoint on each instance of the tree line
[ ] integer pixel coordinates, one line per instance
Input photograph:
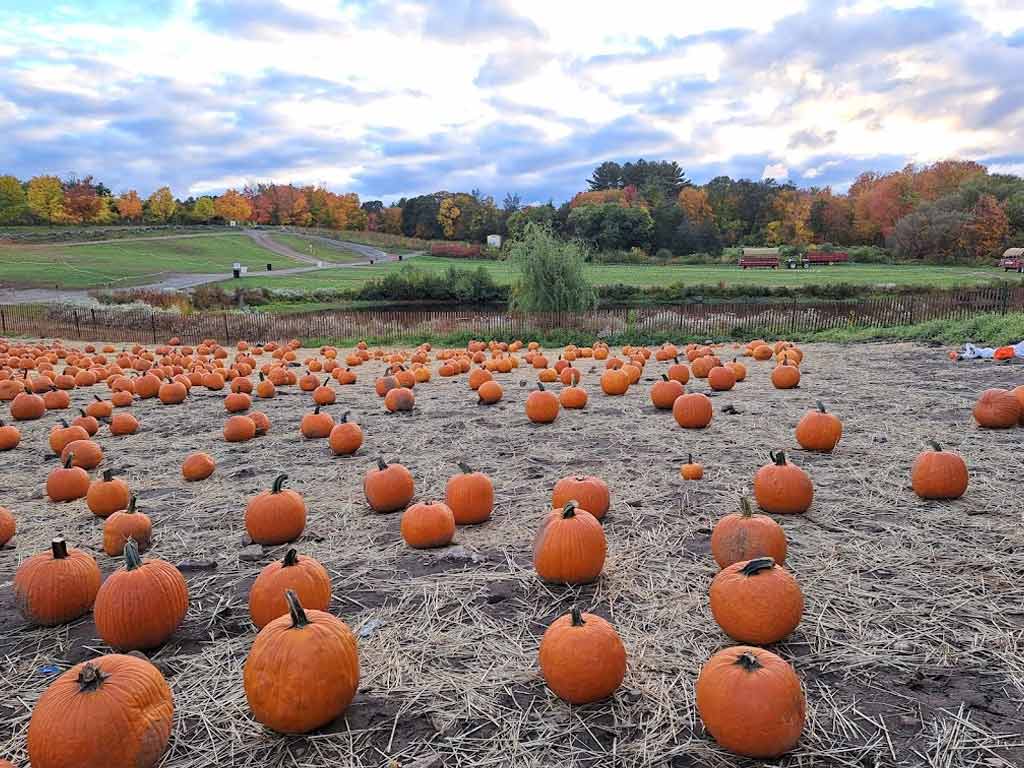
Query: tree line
(952, 210)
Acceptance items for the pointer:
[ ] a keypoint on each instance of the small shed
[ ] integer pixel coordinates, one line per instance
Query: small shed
(1013, 253)
(494, 241)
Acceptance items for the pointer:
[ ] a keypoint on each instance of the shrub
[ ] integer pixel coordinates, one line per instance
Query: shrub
(550, 271)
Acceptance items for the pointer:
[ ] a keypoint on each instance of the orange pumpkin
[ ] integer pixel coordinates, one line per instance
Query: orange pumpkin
(198, 466)
(238, 429)
(470, 496)
(665, 392)
(585, 491)
(756, 601)
(123, 424)
(126, 524)
(316, 425)
(691, 470)
(573, 397)
(389, 487)
(742, 535)
(614, 382)
(570, 547)
(692, 410)
(57, 586)
(721, 378)
(27, 407)
(67, 482)
(276, 516)
(785, 376)
(345, 437)
(542, 406)
(305, 576)
(582, 658)
(8, 526)
(938, 474)
(427, 525)
(107, 495)
(997, 409)
(10, 436)
(399, 399)
(679, 372)
(819, 430)
(489, 392)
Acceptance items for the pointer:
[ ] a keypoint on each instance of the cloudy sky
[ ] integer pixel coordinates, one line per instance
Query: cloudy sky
(402, 97)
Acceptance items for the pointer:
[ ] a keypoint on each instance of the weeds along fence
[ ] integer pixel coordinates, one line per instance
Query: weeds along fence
(684, 321)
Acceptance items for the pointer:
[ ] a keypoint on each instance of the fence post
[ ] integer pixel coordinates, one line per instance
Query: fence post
(1005, 297)
(3, 320)
(152, 326)
(227, 337)
(78, 332)
(910, 312)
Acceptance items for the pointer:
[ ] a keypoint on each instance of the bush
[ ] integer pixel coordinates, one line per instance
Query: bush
(551, 275)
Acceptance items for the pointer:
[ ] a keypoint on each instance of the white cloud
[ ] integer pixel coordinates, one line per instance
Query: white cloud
(775, 171)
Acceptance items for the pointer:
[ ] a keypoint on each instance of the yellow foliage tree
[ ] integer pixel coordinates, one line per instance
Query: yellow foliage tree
(46, 199)
(161, 205)
(448, 217)
(232, 206)
(694, 202)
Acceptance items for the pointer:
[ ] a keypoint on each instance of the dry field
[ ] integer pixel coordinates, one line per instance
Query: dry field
(911, 648)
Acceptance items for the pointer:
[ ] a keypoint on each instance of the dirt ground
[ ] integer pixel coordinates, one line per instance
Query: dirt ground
(910, 648)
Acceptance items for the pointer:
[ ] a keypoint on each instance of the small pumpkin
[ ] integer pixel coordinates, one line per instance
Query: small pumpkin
(783, 488)
(751, 702)
(87, 454)
(100, 408)
(303, 575)
(997, 409)
(588, 492)
(570, 547)
(61, 434)
(665, 392)
(785, 376)
(316, 425)
(324, 394)
(86, 422)
(124, 524)
(198, 466)
(276, 516)
(691, 470)
(261, 420)
(115, 711)
(57, 586)
(67, 482)
(346, 436)
(744, 535)
(470, 496)
(819, 430)
(239, 429)
(10, 436)
(8, 526)
(573, 397)
(693, 410)
(123, 423)
(107, 494)
(489, 392)
(756, 601)
(678, 371)
(302, 671)
(582, 658)
(939, 474)
(388, 487)
(169, 392)
(542, 406)
(399, 399)
(427, 525)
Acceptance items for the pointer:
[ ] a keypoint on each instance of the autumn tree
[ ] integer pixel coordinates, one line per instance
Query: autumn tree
(391, 220)
(878, 203)
(161, 205)
(232, 206)
(791, 226)
(204, 209)
(694, 202)
(943, 178)
(81, 203)
(129, 206)
(45, 199)
(831, 218)
(984, 235)
(448, 216)
(13, 201)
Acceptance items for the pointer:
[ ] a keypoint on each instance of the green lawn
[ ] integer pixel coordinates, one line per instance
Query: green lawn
(611, 274)
(333, 252)
(131, 263)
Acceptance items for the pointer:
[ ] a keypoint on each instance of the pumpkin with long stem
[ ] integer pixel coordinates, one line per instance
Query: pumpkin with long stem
(125, 524)
(56, 586)
(819, 430)
(570, 547)
(276, 516)
(751, 702)
(428, 525)
(89, 423)
(782, 488)
(939, 474)
(756, 601)
(114, 711)
(67, 482)
(345, 437)
(582, 658)
(303, 575)
(107, 495)
(691, 470)
(302, 671)
(744, 535)
(470, 496)
(586, 491)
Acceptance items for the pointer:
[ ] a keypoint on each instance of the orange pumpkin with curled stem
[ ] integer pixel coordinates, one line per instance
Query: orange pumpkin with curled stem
(751, 702)
(276, 516)
(124, 524)
(819, 430)
(56, 586)
(570, 547)
(388, 487)
(582, 658)
(303, 575)
(691, 470)
(107, 494)
(744, 535)
(939, 474)
(756, 601)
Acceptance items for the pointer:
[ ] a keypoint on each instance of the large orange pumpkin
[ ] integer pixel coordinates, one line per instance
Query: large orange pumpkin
(743, 536)
(939, 474)
(303, 575)
(389, 487)
(275, 516)
(692, 410)
(819, 430)
(665, 392)
(57, 586)
(470, 496)
(588, 492)
(570, 547)
(783, 488)
(582, 658)
(428, 525)
(756, 601)
(542, 406)
(997, 409)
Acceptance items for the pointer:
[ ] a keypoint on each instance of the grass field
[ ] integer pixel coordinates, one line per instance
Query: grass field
(335, 252)
(382, 240)
(131, 263)
(612, 274)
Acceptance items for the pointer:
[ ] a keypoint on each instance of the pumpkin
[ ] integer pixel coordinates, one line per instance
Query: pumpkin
(67, 483)
(140, 605)
(122, 399)
(345, 437)
(399, 399)
(265, 388)
(997, 409)
(1017, 392)
(756, 601)
(751, 702)
(316, 425)
(86, 422)
(785, 376)
(762, 352)
(10, 436)
(108, 494)
(427, 525)
(743, 535)
(819, 430)
(324, 394)
(27, 407)
(489, 392)
(614, 381)
(665, 392)
(61, 434)
(478, 376)
(586, 491)
(123, 424)
(100, 408)
(783, 488)
(114, 711)
(692, 410)
(127, 524)
(470, 496)
(303, 575)
(582, 658)
(8, 526)
(237, 402)
(238, 429)
(198, 466)
(389, 487)
(58, 586)
(276, 516)
(570, 547)
(261, 421)
(57, 400)
(691, 470)
(721, 378)
(302, 671)
(170, 392)
(938, 474)
(542, 406)
(679, 372)
(739, 370)
(87, 454)
(573, 397)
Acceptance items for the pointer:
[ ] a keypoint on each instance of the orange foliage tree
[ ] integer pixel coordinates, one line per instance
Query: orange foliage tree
(231, 206)
(129, 206)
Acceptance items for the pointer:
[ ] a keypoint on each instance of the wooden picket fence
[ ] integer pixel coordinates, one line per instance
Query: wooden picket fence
(682, 322)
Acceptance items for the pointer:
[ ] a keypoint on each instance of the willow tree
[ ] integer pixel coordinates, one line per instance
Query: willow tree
(550, 273)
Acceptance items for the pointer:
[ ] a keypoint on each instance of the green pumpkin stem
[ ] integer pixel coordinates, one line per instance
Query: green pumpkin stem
(465, 468)
(935, 446)
(757, 565)
(569, 510)
(577, 616)
(291, 557)
(779, 457)
(59, 548)
(299, 619)
(90, 678)
(821, 407)
(381, 464)
(278, 483)
(69, 459)
(748, 661)
(131, 555)
(131, 504)
(746, 508)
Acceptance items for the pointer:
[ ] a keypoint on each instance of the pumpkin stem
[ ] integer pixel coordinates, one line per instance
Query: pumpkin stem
(757, 565)
(664, 377)
(291, 557)
(569, 510)
(746, 510)
(59, 547)
(278, 483)
(748, 661)
(344, 416)
(90, 677)
(540, 386)
(935, 445)
(689, 458)
(381, 464)
(676, 358)
(779, 457)
(821, 407)
(97, 398)
(62, 422)
(108, 475)
(82, 411)
(299, 619)
(67, 461)
(577, 616)
(465, 468)
(316, 410)
(131, 504)
(131, 555)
